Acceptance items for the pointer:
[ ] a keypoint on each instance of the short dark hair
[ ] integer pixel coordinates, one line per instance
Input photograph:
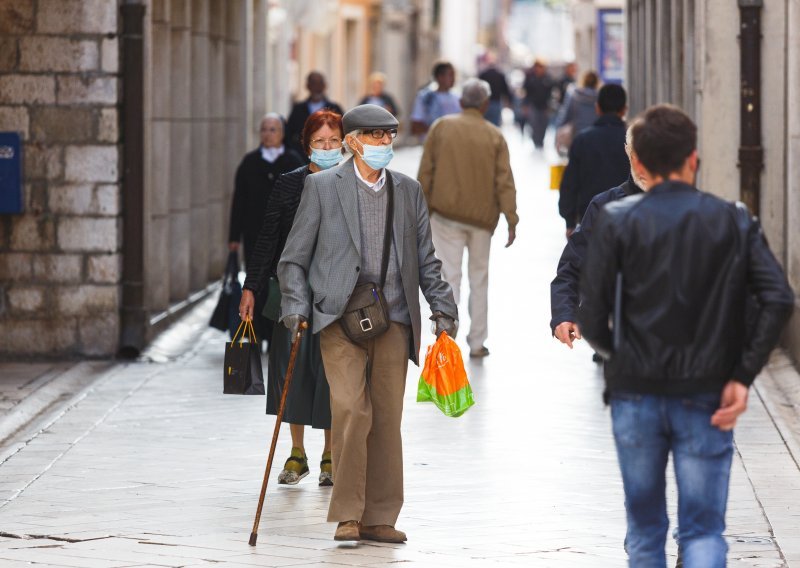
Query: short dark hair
(611, 98)
(442, 66)
(663, 137)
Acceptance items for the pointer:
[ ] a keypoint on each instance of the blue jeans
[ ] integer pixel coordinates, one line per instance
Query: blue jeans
(646, 429)
(494, 113)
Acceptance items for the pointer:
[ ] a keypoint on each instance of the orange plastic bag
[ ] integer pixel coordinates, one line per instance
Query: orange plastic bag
(444, 380)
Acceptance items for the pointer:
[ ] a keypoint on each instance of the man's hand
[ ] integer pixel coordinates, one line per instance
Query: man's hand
(444, 323)
(570, 231)
(567, 332)
(293, 322)
(233, 246)
(247, 305)
(512, 235)
(733, 403)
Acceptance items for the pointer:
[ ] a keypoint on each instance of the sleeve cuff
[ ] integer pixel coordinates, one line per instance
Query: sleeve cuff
(741, 375)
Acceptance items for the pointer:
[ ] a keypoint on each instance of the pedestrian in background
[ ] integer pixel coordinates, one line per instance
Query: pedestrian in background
(317, 100)
(538, 94)
(578, 111)
(567, 82)
(337, 242)
(378, 96)
(564, 297)
(466, 176)
(501, 94)
(674, 269)
(597, 158)
(431, 104)
(308, 400)
(255, 178)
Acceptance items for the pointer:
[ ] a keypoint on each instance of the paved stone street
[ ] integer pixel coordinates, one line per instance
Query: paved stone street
(153, 466)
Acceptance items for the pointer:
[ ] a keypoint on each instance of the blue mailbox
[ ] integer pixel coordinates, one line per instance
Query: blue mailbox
(10, 172)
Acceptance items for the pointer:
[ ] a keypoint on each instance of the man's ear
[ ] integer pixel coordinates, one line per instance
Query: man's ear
(638, 166)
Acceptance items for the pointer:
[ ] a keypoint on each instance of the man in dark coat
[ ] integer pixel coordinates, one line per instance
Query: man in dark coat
(316, 85)
(538, 92)
(255, 178)
(564, 298)
(597, 158)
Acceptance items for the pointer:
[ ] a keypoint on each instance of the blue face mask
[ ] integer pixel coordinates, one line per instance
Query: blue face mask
(377, 157)
(326, 158)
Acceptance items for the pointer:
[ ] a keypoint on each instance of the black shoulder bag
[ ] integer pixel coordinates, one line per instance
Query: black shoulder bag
(367, 314)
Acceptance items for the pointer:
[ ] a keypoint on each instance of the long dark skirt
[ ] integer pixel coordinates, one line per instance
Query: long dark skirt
(309, 398)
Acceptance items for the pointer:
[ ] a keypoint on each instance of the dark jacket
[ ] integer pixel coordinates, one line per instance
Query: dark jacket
(564, 288)
(688, 261)
(538, 91)
(498, 84)
(597, 161)
(297, 120)
(277, 222)
(255, 178)
(387, 102)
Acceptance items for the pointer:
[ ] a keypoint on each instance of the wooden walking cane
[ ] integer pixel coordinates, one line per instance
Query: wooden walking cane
(287, 381)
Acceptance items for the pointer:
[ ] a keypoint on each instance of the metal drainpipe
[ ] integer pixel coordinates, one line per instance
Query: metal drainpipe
(133, 324)
(751, 153)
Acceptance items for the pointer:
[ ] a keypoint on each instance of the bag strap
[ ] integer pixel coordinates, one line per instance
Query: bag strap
(387, 235)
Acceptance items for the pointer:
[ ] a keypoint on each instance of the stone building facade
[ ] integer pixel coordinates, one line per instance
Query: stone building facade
(64, 286)
(60, 259)
(689, 53)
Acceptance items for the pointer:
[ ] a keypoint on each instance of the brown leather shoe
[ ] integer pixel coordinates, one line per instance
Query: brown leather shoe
(347, 530)
(382, 533)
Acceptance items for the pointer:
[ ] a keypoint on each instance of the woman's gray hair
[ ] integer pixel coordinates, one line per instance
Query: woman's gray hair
(271, 116)
(475, 92)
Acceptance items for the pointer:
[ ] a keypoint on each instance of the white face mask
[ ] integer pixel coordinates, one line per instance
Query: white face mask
(377, 157)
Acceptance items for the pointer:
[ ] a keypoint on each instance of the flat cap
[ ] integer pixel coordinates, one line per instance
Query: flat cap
(368, 117)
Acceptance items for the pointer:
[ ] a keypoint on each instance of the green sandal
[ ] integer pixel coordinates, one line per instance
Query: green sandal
(295, 468)
(326, 470)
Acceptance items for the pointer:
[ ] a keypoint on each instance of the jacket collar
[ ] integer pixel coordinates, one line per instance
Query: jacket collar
(609, 119)
(630, 188)
(671, 185)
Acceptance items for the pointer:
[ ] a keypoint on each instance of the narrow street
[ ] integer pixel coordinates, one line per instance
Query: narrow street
(153, 466)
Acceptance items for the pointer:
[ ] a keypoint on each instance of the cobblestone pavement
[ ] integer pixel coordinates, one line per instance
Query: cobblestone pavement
(153, 466)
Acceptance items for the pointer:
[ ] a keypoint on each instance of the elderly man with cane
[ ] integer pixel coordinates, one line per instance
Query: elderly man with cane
(357, 255)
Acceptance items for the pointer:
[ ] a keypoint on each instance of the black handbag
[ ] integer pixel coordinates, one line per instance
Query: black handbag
(367, 314)
(226, 313)
(243, 373)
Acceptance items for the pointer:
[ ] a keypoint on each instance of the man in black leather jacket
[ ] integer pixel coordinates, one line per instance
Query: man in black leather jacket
(672, 270)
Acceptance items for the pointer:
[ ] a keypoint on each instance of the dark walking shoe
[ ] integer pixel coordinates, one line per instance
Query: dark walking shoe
(326, 471)
(295, 468)
(479, 353)
(383, 533)
(347, 530)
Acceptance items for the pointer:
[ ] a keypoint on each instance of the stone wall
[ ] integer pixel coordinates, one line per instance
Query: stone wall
(60, 259)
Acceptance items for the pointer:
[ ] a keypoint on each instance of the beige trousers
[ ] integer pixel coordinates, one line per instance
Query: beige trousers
(450, 238)
(367, 382)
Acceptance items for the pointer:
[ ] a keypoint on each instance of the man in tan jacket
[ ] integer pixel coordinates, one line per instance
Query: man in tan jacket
(466, 176)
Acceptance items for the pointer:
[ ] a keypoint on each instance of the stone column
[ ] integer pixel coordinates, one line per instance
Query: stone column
(217, 202)
(180, 58)
(200, 167)
(159, 186)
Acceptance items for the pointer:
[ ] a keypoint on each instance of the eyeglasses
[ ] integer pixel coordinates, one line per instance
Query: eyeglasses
(379, 133)
(320, 143)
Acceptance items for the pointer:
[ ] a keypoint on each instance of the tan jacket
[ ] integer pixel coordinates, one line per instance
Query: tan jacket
(465, 171)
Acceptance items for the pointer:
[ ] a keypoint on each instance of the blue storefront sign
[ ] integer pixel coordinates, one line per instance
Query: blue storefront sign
(10, 172)
(611, 45)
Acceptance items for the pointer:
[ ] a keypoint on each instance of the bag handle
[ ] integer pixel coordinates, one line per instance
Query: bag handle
(387, 235)
(248, 331)
(238, 329)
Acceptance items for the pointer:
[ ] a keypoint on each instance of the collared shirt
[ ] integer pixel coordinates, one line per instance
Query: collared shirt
(315, 106)
(374, 186)
(272, 154)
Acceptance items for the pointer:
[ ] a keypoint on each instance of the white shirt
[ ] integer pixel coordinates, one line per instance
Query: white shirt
(315, 106)
(374, 186)
(272, 154)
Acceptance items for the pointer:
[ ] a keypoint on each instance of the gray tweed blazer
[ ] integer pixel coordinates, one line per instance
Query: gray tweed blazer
(323, 251)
